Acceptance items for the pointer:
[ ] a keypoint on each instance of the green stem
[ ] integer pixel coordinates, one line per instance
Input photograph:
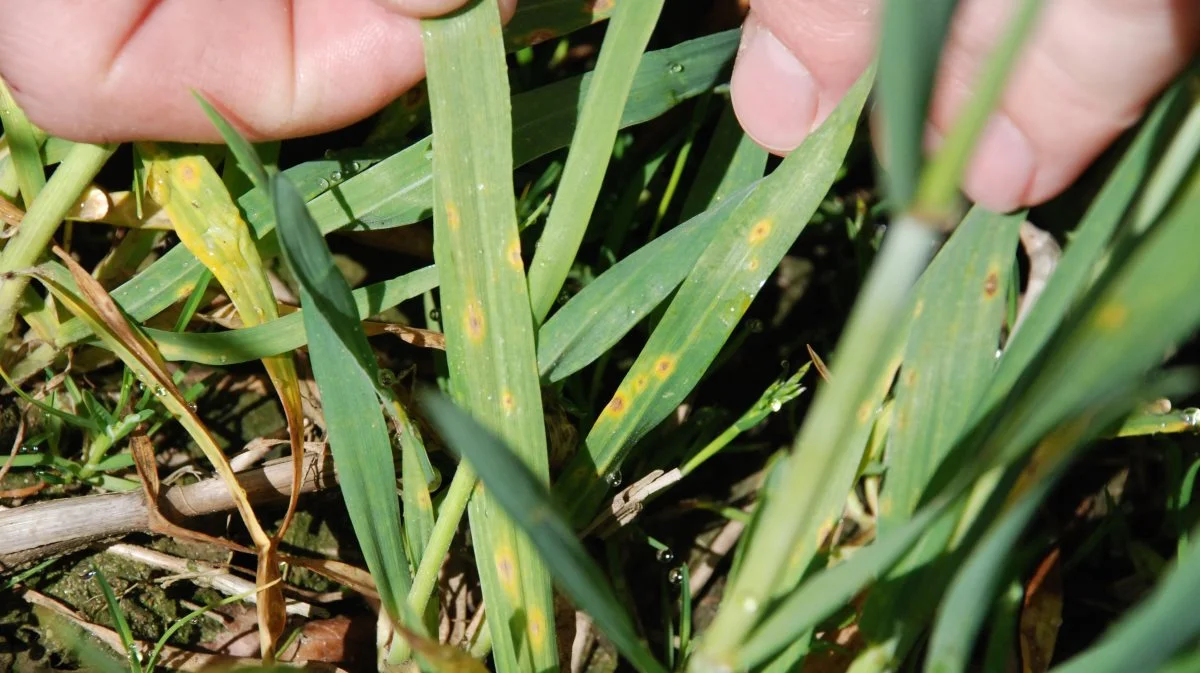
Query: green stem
(41, 221)
(449, 517)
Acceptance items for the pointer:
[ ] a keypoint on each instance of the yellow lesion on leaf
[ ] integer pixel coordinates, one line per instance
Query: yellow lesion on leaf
(188, 172)
(752, 265)
(423, 499)
(864, 411)
(1112, 316)
(663, 366)
(506, 569)
(473, 321)
(513, 254)
(537, 627)
(453, 219)
(639, 383)
(759, 231)
(617, 405)
(918, 308)
(508, 402)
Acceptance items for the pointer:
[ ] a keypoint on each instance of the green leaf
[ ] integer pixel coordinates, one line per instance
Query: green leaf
(591, 146)
(525, 498)
(602, 313)
(489, 331)
(711, 301)
(286, 333)
(346, 374)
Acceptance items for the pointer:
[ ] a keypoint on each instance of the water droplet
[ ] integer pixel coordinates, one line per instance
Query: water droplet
(480, 187)
(88, 574)
(329, 154)
(776, 405)
(665, 555)
(613, 478)
(675, 68)
(1191, 416)
(386, 377)
(429, 154)
(435, 315)
(160, 391)
(322, 184)
(750, 604)
(675, 576)
(336, 176)
(355, 166)
(193, 407)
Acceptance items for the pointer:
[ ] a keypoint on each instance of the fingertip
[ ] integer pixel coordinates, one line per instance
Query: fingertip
(774, 95)
(421, 9)
(1001, 172)
(424, 9)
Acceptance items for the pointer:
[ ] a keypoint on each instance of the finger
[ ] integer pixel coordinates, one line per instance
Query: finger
(125, 70)
(797, 59)
(430, 8)
(1089, 71)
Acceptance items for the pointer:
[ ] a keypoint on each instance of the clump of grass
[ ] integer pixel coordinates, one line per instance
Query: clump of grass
(901, 511)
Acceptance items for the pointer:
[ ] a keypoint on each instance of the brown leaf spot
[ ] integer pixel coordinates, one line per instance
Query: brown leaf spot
(663, 366)
(991, 284)
(759, 231)
(473, 319)
(616, 406)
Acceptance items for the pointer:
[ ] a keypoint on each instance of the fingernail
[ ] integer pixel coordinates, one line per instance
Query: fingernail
(421, 8)
(1002, 169)
(774, 95)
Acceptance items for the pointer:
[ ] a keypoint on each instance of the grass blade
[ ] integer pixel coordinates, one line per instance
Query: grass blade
(541, 20)
(41, 221)
(732, 161)
(591, 147)
(1153, 631)
(489, 331)
(705, 310)
(346, 374)
(206, 220)
(951, 354)
(910, 50)
(524, 496)
(91, 303)
(604, 311)
(285, 333)
(23, 147)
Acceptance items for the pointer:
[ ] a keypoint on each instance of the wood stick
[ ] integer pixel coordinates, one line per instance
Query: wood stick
(36, 531)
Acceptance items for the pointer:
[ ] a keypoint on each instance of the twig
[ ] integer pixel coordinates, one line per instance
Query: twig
(42, 529)
(1043, 252)
(204, 574)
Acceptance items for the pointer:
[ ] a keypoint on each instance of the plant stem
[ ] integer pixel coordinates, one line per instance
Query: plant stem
(81, 164)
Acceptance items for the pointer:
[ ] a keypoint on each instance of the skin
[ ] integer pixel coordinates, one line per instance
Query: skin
(121, 70)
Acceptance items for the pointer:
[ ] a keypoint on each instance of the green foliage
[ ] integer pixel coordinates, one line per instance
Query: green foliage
(914, 476)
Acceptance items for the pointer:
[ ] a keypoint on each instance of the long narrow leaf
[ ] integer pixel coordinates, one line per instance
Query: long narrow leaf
(489, 331)
(624, 41)
(525, 498)
(346, 374)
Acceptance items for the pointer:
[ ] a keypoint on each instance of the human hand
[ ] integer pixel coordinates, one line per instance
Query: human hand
(117, 71)
(1086, 75)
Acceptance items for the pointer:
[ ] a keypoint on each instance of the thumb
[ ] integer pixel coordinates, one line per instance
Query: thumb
(423, 9)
